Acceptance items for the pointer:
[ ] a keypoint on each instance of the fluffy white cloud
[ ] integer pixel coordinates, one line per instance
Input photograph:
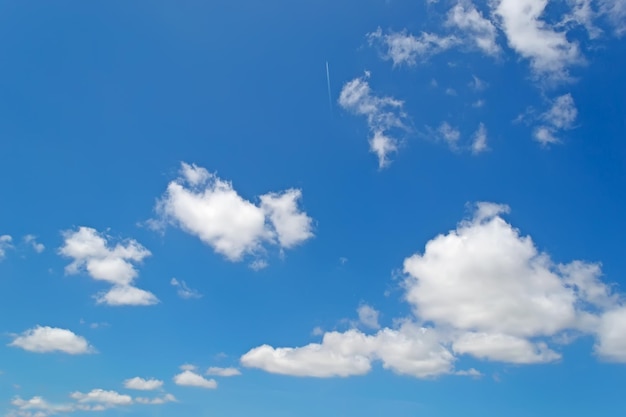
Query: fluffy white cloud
(560, 116)
(208, 207)
(99, 399)
(143, 384)
(479, 142)
(51, 339)
(32, 241)
(384, 114)
(183, 290)
(549, 51)
(486, 291)
(410, 350)
(92, 254)
(292, 226)
(188, 378)
(223, 372)
(479, 29)
(127, 295)
(404, 48)
(37, 407)
(5, 243)
(611, 344)
(368, 316)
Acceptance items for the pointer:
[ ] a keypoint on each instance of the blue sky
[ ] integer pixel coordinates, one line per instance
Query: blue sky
(191, 225)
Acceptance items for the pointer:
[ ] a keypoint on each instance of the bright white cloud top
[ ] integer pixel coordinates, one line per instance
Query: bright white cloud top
(44, 339)
(142, 384)
(92, 254)
(489, 293)
(189, 378)
(202, 204)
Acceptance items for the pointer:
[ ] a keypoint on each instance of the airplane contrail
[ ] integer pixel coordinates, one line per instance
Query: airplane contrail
(330, 100)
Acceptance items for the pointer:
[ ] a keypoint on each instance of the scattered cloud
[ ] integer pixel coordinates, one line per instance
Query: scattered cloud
(549, 51)
(42, 339)
(223, 372)
(189, 378)
(368, 316)
(479, 143)
(5, 244)
(404, 48)
(32, 241)
(474, 26)
(100, 399)
(92, 254)
(183, 290)
(477, 84)
(203, 205)
(384, 116)
(258, 264)
(141, 384)
(449, 134)
(451, 92)
(486, 292)
(165, 398)
(561, 116)
(410, 350)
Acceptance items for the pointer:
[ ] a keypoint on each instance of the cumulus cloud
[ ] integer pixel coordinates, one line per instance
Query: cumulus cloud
(560, 116)
(189, 378)
(485, 291)
(142, 384)
(469, 20)
(410, 350)
(91, 253)
(549, 51)
(101, 399)
(32, 241)
(166, 398)
(223, 372)
(202, 204)
(404, 48)
(5, 243)
(44, 339)
(183, 290)
(384, 116)
(37, 407)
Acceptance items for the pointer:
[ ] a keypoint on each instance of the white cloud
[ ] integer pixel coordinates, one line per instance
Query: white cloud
(50, 339)
(560, 116)
(32, 241)
(258, 264)
(126, 295)
(92, 254)
(611, 344)
(189, 378)
(368, 316)
(479, 29)
(477, 84)
(384, 114)
(166, 398)
(410, 350)
(449, 134)
(549, 51)
(404, 48)
(5, 243)
(479, 143)
(102, 399)
(223, 372)
(143, 384)
(183, 290)
(202, 204)
(37, 407)
(486, 291)
(503, 348)
(292, 226)
(616, 12)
